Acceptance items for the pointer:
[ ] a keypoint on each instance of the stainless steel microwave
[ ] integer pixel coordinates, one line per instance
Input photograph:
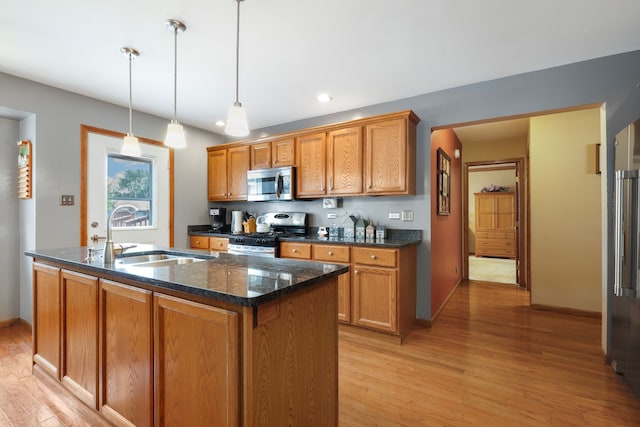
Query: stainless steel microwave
(271, 184)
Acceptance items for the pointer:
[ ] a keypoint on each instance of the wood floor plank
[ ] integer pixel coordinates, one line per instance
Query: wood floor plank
(489, 360)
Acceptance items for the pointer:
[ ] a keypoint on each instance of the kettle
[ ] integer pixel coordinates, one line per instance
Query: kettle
(236, 222)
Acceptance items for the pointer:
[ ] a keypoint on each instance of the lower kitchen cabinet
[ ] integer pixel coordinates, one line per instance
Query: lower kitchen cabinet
(46, 316)
(218, 244)
(379, 293)
(374, 298)
(197, 387)
(79, 365)
(126, 354)
(384, 289)
(339, 255)
(144, 358)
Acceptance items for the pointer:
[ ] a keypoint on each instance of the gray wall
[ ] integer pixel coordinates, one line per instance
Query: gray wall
(9, 238)
(53, 124)
(611, 80)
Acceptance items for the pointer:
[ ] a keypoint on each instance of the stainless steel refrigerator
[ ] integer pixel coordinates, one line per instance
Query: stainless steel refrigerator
(625, 315)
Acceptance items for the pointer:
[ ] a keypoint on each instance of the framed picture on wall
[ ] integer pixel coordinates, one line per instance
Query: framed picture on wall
(444, 183)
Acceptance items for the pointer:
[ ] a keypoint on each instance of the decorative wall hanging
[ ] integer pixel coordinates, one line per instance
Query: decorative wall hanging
(444, 183)
(24, 169)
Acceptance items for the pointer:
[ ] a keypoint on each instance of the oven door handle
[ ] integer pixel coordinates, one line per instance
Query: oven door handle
(278, 186)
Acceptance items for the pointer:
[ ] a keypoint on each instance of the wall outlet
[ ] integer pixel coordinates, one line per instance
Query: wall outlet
(331, 216)
(394, 215)
(66, 200)
(407, 215)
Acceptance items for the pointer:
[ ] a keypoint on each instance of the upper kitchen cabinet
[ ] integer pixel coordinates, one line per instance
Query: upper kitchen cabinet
(283, 152)
(372, 156)
(311, 165)
(344, 161)
(390, 146)
(260, 155)
(273, 154)
(227, 172)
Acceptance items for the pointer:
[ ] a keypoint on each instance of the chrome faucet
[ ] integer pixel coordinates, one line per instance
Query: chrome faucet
(109, 250)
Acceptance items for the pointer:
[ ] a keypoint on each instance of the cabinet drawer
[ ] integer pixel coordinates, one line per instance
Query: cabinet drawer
(199, 242)
(484, 235)
(498, 243)
(374, 256)
(331, 253)
(295, 250)
(218, 244)
(504, 234)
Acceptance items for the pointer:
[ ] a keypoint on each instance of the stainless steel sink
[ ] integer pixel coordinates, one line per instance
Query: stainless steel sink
(155, 260)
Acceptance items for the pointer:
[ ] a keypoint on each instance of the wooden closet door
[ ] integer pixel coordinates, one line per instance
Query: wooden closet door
(505, 212)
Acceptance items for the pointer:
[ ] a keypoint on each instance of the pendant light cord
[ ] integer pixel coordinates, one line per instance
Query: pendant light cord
(237, 50)
(175, 71)
(130, 96)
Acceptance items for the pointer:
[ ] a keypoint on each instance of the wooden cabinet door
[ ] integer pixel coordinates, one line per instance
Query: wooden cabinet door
(47, 318)
(311, 169)
(80, 336)
(126, 354)
(485, 212)
(386, 157)
(238, 158)
(217, 174)
(260, 155)
(505, 212)
(374, 298)
(344, 161)
(283, 152)
(344, 297)
(197, 387)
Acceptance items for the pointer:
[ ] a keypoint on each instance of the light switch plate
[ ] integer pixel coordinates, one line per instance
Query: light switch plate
(407, 215)
(331, 216)
(394, 215)
(67, 200)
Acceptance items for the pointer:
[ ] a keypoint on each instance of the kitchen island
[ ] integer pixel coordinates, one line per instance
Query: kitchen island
(190, 338)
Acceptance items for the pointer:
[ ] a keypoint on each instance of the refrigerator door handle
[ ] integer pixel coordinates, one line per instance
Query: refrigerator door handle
(626, 233)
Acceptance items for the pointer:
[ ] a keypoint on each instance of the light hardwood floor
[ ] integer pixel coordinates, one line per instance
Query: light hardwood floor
(489, 360)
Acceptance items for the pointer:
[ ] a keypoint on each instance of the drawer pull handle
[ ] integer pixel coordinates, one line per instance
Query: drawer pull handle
(294, 250)
(373, 257)
(330, 253)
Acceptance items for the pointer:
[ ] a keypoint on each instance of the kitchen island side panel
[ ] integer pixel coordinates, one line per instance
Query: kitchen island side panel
(294, 354)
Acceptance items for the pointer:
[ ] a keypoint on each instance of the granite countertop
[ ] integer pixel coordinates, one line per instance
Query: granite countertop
(237, 279)
(395, 238)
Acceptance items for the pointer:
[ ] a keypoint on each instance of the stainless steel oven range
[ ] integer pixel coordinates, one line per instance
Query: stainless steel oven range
(267, 244)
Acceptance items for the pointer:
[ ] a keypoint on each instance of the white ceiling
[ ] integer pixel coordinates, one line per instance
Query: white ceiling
(362, 52)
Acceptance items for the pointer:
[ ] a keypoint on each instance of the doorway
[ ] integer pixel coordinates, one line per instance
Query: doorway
(493, 216)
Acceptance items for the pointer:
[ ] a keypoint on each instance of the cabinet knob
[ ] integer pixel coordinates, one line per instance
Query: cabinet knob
(294, 250)
(373, 257)
(357, 272)
(330, 252)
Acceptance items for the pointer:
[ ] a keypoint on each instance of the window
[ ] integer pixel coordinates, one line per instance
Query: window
(130, 190)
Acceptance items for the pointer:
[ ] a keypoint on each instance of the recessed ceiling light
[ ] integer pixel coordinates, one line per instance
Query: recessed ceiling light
(324, 97)
(219, 123)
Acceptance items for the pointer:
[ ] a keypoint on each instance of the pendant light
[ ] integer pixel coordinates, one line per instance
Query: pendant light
(130, 145)
(237, 118)
(175, 132)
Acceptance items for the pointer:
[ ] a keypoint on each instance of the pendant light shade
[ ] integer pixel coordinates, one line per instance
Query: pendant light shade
(130, 145)
(175, 133)
(237, 118)
(237, 121)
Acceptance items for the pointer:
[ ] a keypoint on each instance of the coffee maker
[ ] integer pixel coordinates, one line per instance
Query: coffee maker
(218, 218)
